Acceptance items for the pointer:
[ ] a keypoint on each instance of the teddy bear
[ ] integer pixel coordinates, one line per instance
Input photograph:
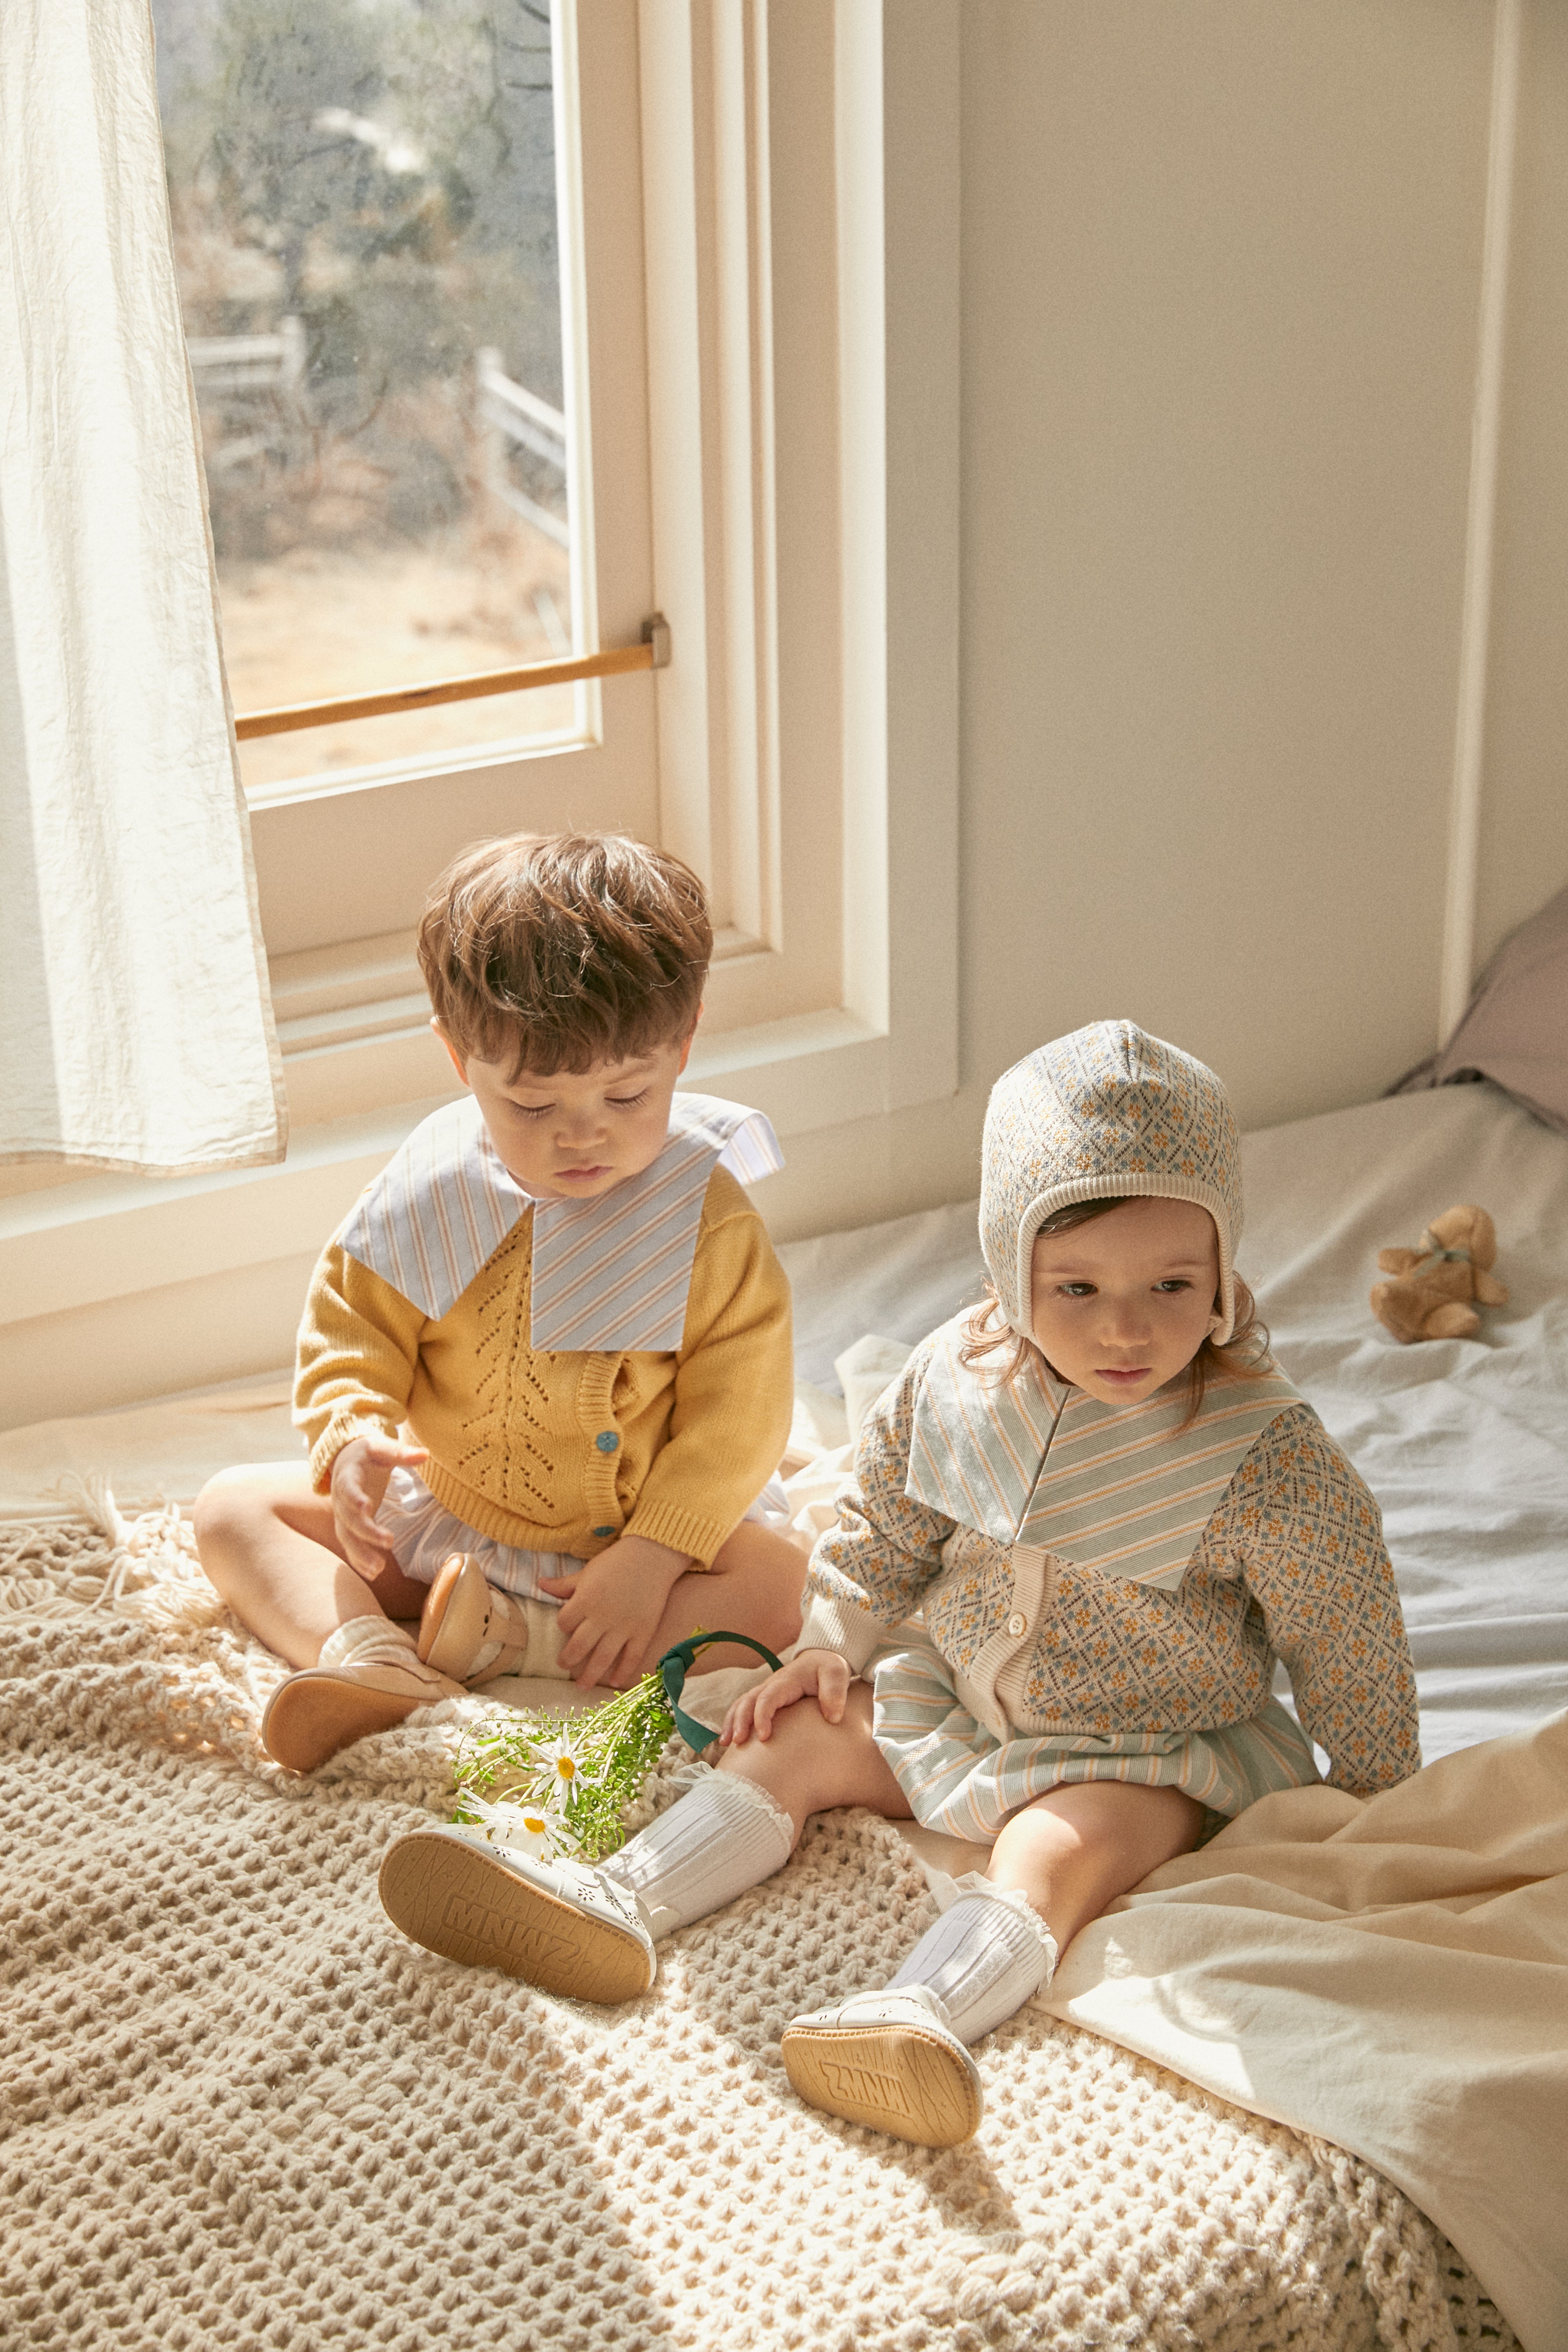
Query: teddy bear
(1431, 1296)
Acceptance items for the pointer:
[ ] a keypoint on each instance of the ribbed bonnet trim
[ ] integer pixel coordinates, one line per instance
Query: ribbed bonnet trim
(1108, 1112)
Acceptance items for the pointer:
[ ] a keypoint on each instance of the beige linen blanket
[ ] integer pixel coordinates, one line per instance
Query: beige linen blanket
(1390, 1974)
(238, 2109)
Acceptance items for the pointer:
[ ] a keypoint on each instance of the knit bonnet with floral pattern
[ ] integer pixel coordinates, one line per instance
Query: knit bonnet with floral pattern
(1106, 1113)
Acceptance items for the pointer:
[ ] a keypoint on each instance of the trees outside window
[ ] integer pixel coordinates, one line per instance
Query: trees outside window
(364, 215)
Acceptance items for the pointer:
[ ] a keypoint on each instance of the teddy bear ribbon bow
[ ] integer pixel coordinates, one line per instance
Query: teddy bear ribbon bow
(1437, 1255)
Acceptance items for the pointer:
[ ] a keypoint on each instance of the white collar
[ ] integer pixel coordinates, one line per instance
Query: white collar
(609, 1273)
(1122, 1488)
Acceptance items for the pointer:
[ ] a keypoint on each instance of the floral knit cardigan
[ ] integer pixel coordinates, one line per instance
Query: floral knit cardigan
(1292, 1566)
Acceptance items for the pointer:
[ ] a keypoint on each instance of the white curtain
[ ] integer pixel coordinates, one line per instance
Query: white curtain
(135, 1026)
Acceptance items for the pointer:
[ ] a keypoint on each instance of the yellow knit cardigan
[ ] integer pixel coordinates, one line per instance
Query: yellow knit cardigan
(565, 1452)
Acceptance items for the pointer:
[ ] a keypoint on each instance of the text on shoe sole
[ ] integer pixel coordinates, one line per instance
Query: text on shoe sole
(517, 1937)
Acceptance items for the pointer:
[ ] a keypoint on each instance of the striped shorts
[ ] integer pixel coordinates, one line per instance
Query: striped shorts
(422, 1533)
(959, 1777)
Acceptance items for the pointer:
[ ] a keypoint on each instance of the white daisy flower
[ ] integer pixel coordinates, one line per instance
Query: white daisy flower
(564, 1762)
(527, 1829)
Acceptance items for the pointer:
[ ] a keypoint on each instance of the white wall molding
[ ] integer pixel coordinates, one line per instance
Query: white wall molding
(115, 1236)
(707, 243)
(110, 1237)
(800, 176)
(1458, 968)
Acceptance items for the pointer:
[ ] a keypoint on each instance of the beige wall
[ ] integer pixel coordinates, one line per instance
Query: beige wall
(1222, 267)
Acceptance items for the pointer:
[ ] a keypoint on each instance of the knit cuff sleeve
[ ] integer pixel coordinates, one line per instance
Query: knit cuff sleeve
(682, 1530)
(831, 1623)
(340, 1431)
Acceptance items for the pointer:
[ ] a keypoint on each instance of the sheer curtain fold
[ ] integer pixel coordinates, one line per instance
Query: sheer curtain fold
(136, 1029)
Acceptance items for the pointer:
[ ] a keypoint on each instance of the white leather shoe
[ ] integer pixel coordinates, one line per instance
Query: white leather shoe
(889, 2061)
(562, 1926)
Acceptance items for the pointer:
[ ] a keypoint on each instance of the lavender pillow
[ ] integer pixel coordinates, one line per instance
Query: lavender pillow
(1515, 1027)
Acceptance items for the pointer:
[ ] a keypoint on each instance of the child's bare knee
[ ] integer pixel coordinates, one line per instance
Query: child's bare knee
(229, 1503)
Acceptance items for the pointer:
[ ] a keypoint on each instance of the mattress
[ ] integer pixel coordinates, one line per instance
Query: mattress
(1463, 1442)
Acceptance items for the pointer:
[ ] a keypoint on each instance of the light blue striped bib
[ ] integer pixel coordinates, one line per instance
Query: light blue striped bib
(1122, 1488)
(608, 1275)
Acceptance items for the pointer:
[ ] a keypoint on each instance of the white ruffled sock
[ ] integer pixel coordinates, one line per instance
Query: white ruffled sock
(985, 1956)
(724, 1835)
(369, 1642)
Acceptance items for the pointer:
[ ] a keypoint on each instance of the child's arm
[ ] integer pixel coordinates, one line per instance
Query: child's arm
(876, 1567)
(735, 1387)
(1322, 1579)
(357, 1348)
(867, 1574)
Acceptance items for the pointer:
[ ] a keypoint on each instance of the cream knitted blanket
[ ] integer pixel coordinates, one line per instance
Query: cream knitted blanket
(241, 2110)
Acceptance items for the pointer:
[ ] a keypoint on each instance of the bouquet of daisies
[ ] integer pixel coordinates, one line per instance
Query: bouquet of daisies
(558, 1787)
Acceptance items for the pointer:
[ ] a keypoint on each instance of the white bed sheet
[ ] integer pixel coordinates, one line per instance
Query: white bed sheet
(1464, 1442)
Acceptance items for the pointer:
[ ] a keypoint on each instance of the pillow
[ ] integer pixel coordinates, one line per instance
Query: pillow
(1515, 1028)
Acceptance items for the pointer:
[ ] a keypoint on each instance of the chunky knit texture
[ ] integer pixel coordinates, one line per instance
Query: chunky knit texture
(242, 2111)
(565, 1452)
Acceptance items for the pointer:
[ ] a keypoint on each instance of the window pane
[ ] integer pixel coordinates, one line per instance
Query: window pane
(363, 195)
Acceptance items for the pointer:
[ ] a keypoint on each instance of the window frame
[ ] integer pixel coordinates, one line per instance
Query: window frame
(814, 582)
(336, 854)
(866, 672)
(801, 339)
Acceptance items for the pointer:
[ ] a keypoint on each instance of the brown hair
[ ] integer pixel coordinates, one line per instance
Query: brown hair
(564, 950)
(1243, 1356)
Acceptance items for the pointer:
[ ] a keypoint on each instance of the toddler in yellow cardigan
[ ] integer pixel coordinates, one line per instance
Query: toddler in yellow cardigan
(545, 1365)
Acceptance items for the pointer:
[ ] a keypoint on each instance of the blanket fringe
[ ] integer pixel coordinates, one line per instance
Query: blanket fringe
(146, 1567)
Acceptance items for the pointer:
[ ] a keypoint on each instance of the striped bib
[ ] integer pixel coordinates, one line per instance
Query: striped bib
(1036, 1464)
(609, 1275)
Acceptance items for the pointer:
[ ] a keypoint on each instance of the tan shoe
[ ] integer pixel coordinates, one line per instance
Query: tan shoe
(314, 1714)
(471, 1629)
(888, 2060)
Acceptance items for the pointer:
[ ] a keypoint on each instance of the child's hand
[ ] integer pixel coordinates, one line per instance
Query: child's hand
(610, 1609)
(359, 1478)
(820, 1674)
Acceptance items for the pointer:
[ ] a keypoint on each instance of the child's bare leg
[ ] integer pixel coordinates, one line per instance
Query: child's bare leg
(753, 1587)
(269, 1544)
(271, 1547)
(1055, 1866)
(1072, 1853)
(809, 1765)
(898, 2061)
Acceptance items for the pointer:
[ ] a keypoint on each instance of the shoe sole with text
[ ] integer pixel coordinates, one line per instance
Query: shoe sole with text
(458, 1899)
(892, 2078)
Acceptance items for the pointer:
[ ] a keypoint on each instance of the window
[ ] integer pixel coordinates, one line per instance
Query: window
(387, 226)
(720, 314)
(760, 363)
(365, 229)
